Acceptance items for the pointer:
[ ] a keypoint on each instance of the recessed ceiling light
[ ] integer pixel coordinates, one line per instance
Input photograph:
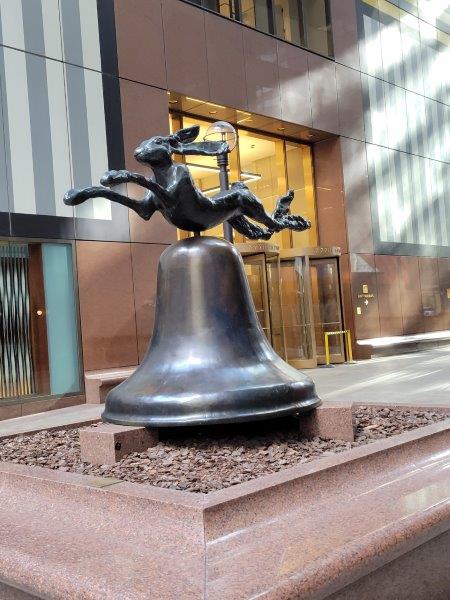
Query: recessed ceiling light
(213, 112)
(173, 101)
(281, 128)
(310, 135)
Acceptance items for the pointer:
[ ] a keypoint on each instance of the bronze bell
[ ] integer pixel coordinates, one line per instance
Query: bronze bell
(208, 361)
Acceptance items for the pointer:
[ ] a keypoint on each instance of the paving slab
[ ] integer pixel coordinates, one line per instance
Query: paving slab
(61, 417)
(418, 378)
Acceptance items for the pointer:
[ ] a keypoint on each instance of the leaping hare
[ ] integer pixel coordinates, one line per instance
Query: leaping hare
(174, 194)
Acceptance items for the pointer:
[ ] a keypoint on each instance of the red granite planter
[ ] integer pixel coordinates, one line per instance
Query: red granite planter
(345, 526)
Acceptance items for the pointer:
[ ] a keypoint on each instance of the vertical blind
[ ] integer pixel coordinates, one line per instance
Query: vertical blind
(16, 366)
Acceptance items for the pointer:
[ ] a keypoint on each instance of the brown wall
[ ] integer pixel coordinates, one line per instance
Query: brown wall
(170, 45)
(410, 294)
(117, 284)
(330, 194)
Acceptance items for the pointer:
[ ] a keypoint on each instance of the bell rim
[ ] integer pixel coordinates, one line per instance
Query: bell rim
(238, 416)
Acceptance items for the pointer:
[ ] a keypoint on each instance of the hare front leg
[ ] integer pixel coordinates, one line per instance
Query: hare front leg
(112, 178)
(144, 208)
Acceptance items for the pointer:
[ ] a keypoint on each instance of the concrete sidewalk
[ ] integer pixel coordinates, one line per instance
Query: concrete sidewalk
(418, 378)
(59, 417)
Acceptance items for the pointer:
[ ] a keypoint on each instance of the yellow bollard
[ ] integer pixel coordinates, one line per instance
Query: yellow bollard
(327, 349)
(347, 341)
(349, 347)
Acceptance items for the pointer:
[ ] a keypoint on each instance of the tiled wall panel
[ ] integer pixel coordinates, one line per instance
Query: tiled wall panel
(185, 46)
(261, 69)
(432, 310)
(389, 295)
(144, 114)
(145, 259)
(356, 196)
(367, 318)
(294, 84)
(226, 73)
(350, 103)
(140, 42)
(322, 78)
(444, 287)
(345, 34)
(329, 194)
(411, 300)
(108, 323)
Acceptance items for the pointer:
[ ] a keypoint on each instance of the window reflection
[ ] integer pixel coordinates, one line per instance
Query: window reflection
(303, 22)
(289, 21)
(317, 26)
(405, 82)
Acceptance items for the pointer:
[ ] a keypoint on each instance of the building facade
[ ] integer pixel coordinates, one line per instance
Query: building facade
(344, 101)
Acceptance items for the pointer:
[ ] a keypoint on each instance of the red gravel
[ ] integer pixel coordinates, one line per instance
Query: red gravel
(214, 458)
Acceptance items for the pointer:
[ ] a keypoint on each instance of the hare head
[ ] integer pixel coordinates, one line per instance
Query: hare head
(158, 150)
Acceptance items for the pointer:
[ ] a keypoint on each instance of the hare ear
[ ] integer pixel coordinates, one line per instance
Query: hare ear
(187, 135)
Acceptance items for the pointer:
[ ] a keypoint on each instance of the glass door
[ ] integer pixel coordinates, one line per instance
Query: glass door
(255, 269)
(297, 312)
(326, 306)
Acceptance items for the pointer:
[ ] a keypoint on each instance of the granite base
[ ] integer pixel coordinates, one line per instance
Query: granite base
(356, 524)
(331, 421)
(106, 443)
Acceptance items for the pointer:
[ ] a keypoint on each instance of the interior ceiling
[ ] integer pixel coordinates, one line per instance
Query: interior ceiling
(252, 148)
(217, 112)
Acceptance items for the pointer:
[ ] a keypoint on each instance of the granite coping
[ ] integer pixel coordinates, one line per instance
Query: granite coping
(304, 532)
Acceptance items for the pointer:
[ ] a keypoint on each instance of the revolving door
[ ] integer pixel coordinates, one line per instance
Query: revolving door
(297, 297)
(262, 267)
(311, 305)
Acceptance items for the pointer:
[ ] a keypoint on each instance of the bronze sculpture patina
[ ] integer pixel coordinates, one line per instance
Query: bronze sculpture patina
(174, 194)
(209, 360)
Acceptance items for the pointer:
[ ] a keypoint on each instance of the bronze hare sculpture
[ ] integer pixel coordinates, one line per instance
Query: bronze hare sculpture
(174, 194)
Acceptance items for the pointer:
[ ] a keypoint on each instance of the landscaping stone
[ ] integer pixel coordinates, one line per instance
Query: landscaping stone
(204, 460)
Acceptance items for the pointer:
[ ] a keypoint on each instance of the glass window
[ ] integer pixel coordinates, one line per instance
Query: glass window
(433, 132)
(412, 55)
(375, 121)
(257, 14)
(289, 21)
(262, 169)
(369, 40)
(416, 116)
(39, 348)
(391, 42)
(317, 26)
(60, 307)
(436, 13)
(408, 5)
(300, 179)
(396, 117)
(303, 22)
(269, 166)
